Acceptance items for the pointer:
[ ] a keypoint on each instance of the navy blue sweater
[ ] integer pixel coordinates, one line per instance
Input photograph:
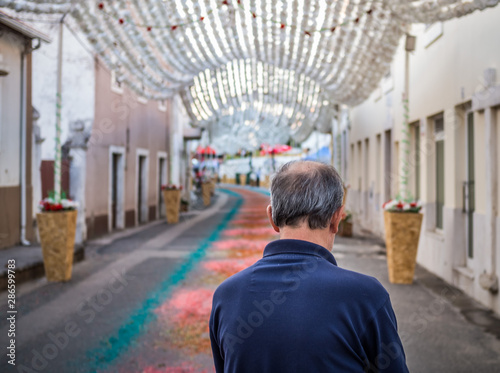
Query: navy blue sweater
(295, 310)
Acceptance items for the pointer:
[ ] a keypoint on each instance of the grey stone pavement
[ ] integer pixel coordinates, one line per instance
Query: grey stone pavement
(442, 329)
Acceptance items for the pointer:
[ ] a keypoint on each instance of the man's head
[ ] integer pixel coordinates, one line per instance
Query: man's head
(306, 194)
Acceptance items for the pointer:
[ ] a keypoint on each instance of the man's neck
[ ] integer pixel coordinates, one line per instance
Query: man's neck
(321, 237)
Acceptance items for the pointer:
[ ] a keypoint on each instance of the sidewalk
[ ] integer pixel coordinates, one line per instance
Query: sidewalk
(29, 262)
(442, 329)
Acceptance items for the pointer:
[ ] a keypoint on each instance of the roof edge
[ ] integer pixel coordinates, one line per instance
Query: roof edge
(22, 28)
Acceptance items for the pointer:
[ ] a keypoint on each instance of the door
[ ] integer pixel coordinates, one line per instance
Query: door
(114, 190)
(416, 130)
(162, 179)
(141, 189)
(469, 194)
(439, 138)
(387, 164)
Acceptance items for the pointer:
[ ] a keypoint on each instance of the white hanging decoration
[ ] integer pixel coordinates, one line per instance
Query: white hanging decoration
(255, 69)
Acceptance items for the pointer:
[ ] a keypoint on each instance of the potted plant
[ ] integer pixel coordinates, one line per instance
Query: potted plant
(206, 189)
(213, 182)
(345, 226)
(57, 225)
(402, 220)
(172, 198)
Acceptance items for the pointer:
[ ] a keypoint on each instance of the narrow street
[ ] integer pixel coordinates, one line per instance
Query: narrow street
(139, 142)
(140, 302)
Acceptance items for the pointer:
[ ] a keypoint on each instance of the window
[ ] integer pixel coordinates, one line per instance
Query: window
(378, 160)
(116, 84)
(396, 171)
(387, 164)
(470, 196)
(353, 165)
(140, 98)
(416, 131)
(367, 164)
(432, 33)
(162, 105)
(359, 165)
(439, 139)
(367, 194)
(387, 83)
(344, 154)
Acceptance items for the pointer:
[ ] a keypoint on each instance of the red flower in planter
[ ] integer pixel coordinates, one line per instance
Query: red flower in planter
(413, 204)
(400, 205)
(49, 204)
(171, 187)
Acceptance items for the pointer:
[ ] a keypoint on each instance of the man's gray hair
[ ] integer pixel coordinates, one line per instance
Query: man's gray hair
(305, 190)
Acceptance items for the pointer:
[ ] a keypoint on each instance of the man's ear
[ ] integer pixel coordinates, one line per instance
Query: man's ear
(269, 211)
(336, 218)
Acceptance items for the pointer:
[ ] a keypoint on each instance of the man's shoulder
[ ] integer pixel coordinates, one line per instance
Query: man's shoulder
(363, 285)
(234, 283)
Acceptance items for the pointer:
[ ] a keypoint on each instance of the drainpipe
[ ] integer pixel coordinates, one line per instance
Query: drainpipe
(23, 239)
(28, 49)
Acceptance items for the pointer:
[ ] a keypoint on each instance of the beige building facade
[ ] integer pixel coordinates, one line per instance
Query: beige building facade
(127, 157)
(453, 159)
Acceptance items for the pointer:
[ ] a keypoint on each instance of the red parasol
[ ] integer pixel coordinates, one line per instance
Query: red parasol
(206, 151)
(210, 150)
(276, 149)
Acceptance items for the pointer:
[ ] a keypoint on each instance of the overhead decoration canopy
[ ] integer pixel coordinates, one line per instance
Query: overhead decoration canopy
(270, 69)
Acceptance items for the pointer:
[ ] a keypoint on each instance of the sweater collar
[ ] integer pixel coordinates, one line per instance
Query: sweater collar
(298, 247)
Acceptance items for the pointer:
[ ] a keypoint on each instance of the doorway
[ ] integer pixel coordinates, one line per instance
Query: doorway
(162, 180)
(387, 164)
(116, 188)
(142, 187)
(439, 146)
(468, 188)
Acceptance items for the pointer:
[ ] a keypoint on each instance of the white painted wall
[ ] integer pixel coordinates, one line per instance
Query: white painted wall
(78, 85)
(179, 120)
(10, 110)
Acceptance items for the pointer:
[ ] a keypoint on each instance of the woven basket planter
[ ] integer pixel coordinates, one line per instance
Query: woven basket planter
(206, 189)
(57, 236)
(172, 200)
(402, 232)
(213, 182)
(264, 182)
(345, 229)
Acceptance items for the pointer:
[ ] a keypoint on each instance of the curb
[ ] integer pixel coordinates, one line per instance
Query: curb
(35, 269)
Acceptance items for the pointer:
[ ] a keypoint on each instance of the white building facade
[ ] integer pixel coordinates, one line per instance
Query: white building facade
(453, 165)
